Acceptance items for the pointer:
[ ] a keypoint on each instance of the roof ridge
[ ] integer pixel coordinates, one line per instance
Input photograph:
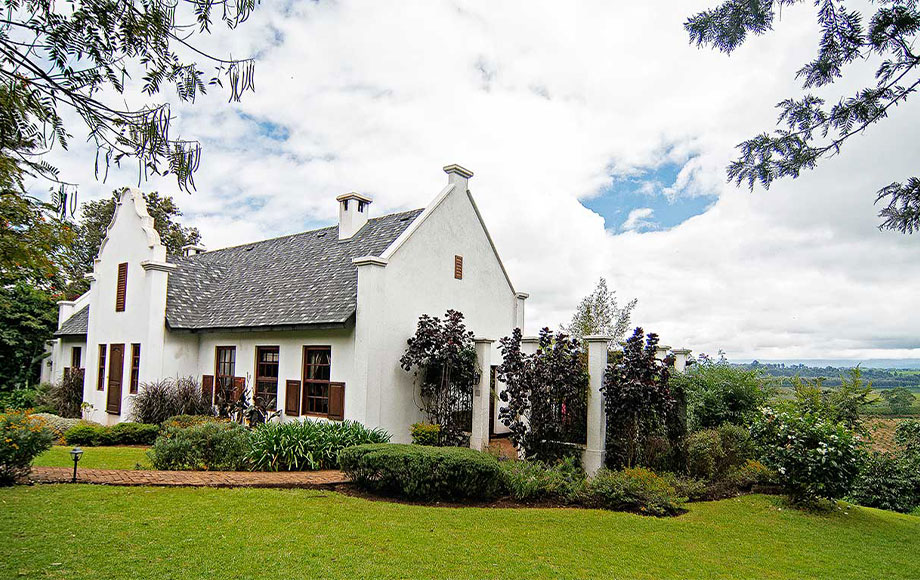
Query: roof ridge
(212, 252)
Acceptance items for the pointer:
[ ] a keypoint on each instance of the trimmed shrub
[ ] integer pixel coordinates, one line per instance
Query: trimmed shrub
(425, 434)
(888, 482)
(689, 487)
(814, 458)
(190, 420)
(208, 446)
(423, 473)
(713, 453)
(636, 490)
(120, 434)
(536, 481)
(307, 445)
(60, 425)
(22, 438)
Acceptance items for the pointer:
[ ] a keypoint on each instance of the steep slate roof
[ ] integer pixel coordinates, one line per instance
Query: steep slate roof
(305, 279)
(76, 325)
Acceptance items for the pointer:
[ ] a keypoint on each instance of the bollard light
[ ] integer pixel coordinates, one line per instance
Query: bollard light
(76, 453)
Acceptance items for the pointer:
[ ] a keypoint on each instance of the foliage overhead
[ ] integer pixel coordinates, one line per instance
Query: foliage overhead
(599, 313)
(546, 394)
(28, 317)
(57, 63)
(443, 355)
(638, 400)
(810, 127)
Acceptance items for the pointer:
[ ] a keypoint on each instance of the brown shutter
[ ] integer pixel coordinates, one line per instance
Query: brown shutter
(337, 401)
(239, 383)
(122, 287)
(292, 398)
(207, 388)
(458, 267)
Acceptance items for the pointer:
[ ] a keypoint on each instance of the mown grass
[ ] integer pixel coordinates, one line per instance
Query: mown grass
(82, 531)
(95, 457)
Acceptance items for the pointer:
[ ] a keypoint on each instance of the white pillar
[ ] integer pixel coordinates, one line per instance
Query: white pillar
(593, 456)
(662, 351)
(530, 344)
(680, 358)
(482, 396)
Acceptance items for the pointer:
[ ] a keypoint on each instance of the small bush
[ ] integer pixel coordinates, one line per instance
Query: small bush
(907, 435)
(637, 490)
(537, 481)
(689, 487)
(712, 453)
(423, 473)
(22, 438)
(208, 446)
(120, 434)
(157, 401)
(425, 434)
(719, 393)
(814, 458)
(752, 473)
(888, 482)
(60, 425)
(65, 396)
(190, 420)
(307, 445)
(18, 399)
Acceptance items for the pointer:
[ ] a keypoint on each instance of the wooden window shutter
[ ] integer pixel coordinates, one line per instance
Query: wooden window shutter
(207, 388)
(120, 292)
(292, 398)
(458, 267)
(239, 383)
(337, 401)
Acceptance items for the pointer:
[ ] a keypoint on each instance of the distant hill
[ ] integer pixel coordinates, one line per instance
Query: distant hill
(870, 363)
(898, 375)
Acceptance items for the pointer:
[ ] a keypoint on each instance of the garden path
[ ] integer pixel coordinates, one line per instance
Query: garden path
(287, 479)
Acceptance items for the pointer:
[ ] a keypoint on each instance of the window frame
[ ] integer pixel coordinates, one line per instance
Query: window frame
(307, 384)
(100, 367)
(260, 378)
(76, 357)
(218, 383)
(134, 377)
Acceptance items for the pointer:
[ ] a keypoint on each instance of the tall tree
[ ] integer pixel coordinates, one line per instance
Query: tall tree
(600, 313)
(95, 219)
(809, 128)
(76, 58)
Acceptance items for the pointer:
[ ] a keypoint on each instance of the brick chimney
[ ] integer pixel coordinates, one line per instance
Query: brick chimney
(353, 212)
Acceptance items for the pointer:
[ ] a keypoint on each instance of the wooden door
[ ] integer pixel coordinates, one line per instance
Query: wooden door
(116, 372)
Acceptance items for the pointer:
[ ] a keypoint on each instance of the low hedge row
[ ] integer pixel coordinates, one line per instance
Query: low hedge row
(119, 434)
(423, 473)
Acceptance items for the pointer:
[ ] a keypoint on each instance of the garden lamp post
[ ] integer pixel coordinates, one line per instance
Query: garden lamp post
(76, 453)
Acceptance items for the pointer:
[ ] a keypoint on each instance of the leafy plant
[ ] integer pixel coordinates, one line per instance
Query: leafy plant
(600, 313)
(889, 482)
(444, 358)
(563, 481)
(119, 434)
(719, 393)
(22, 438)
(546, 395)
(638, 401)
(637, 489)
(899, 399)
(159, 400)
(845, 404)
(425, 434)
(713, 453)
(307, 445)
(423, 473)
(60, 425)
(189, 420)
(215, 446)
(66, 395)
(814, 458)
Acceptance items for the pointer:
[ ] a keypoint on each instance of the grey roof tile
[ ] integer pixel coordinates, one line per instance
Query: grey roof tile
(76, 325)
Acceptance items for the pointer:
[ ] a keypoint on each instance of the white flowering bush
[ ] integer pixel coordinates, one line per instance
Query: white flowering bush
(813, 457)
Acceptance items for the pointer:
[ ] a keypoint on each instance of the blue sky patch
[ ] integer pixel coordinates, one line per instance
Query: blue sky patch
(637, 194)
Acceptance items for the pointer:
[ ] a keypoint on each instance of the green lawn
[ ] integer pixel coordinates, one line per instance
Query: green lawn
(95, 457)
(82, 531)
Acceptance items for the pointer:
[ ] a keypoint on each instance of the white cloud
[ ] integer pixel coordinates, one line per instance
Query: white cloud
(548, 103)
(638, 220)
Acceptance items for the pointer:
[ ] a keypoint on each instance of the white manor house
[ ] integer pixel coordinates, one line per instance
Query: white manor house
(315, 321)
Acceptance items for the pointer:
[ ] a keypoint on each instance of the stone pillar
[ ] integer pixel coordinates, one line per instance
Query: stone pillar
(482, 395)
(593, 456)
(680, 358)
(530, 344)
(662, 351)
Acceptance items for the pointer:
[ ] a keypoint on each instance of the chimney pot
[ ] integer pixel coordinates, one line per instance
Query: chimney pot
(193, 250)
(458, 175)
(353, 213)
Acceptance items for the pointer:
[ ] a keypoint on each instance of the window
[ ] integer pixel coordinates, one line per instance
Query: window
(120, 292)
(100, 380)
(135, 367)
(361, 206)
(226, 367)
(76, 356)
(316, 373)
(267, 376)
(458, 267)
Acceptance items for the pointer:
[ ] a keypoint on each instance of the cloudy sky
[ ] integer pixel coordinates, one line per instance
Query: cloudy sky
(599, 139)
